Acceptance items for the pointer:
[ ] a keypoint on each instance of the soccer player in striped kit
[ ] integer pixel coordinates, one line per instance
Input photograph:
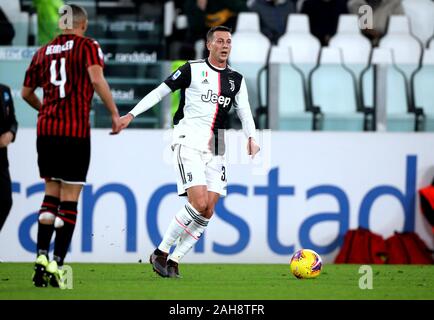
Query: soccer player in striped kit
(209, 88)
(69, 69)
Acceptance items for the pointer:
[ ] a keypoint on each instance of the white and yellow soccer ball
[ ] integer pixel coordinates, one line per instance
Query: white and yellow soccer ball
(305, 264)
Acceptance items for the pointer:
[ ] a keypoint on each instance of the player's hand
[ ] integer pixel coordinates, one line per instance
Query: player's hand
(116, 124)
(5, 139)
(125, 120)
(252, 147)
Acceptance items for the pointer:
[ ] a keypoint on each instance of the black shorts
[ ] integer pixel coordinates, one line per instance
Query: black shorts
(63, 158)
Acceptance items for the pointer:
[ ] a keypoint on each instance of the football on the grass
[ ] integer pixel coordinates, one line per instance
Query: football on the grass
(305, 264)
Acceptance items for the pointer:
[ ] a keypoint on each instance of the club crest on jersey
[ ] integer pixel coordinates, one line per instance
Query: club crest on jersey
(232, 83)
(214, 98)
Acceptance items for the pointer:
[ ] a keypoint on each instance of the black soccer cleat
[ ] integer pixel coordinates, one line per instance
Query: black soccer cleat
(159, 264)
(39, 276)
(55, 276)
(172, 269)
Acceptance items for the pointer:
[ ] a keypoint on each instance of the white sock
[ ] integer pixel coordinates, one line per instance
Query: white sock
(189, 238)
(180, 221)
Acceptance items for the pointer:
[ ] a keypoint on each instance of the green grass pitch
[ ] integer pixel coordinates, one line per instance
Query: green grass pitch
(221, 282)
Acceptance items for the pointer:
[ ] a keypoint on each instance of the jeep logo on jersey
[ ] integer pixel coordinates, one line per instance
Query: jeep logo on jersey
(214, 98)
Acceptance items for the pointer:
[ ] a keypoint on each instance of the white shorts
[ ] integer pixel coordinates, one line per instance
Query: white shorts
(199, 168)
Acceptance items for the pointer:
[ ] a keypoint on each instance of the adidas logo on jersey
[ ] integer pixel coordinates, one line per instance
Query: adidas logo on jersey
(214, 98)
(205, 81)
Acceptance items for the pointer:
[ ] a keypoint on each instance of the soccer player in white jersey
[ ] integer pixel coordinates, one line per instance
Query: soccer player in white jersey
(209, 88)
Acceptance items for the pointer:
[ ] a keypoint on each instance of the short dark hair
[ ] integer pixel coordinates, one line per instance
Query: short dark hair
(211, 31)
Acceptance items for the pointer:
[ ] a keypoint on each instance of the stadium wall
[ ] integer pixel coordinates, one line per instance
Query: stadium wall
(304, 190)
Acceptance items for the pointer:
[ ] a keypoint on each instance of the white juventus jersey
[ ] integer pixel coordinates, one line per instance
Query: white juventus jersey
(207, 95)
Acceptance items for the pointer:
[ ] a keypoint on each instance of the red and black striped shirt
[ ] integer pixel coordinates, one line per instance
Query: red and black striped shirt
(60, 69)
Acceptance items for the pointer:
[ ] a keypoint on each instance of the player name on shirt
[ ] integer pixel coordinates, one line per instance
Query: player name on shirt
(57, 48)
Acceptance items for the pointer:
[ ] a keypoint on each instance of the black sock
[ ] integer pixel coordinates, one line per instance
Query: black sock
(59, 260)
(158, 252)
(171, 263)
(45, 231)
(68, 213)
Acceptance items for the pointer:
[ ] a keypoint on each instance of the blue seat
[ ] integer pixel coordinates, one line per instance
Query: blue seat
(298, 53)
(334, 92)
(402, 52)
(421, 14)
(398, 117)
(424, 93)
(288, 100)
(249, 62)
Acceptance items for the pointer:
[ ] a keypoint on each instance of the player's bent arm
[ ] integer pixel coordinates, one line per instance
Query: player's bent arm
(28, 94)
(249, 129)
(242, 107)
(103, 90)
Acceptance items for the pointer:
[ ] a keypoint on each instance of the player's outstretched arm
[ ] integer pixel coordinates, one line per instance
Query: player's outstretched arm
(102, 88)
(242, 107)
(150, 100)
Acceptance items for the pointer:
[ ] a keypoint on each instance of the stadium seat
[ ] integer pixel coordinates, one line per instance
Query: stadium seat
(406, 53)
(20, 21)
(304, 49)
(356, 53)
(431, 43)
(129, 83)
(334, 91)
(424, 95)
(287, 111)
(406, 49)
(12, 73)
(356, 48)
(250, 49)
(397, 113)
(421, 14)
(248, 35)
